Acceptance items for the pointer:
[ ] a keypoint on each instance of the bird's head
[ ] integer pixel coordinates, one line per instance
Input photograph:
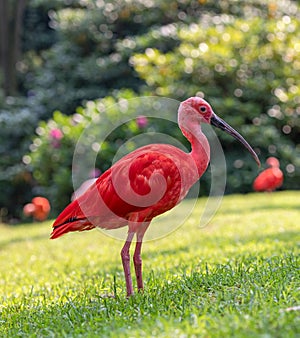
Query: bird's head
(197, 110)
(273, 162)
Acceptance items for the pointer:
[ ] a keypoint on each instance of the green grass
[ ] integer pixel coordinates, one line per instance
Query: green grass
(237, 277)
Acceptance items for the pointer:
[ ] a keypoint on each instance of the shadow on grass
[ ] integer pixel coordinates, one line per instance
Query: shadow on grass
(8, 242)
(262, 207)
(284, 237)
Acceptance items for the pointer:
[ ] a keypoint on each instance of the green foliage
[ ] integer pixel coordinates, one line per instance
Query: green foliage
(244, 56)
(238, 277)
(38, 35)
(52, 162)
(17, 124)
(90, 58)
(94, 41)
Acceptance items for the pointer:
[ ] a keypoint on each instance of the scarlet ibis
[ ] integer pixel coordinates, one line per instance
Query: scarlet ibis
(271, 178)
(145, 183)
(39, 208)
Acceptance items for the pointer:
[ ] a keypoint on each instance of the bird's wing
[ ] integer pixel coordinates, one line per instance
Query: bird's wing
(145, 180)
(88, 210)
(102, 204)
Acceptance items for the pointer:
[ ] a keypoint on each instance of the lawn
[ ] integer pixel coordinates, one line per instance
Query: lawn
(237, 277)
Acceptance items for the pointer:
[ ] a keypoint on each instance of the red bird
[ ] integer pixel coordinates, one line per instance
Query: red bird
(39, 208)
(269, 179)
(144, 184)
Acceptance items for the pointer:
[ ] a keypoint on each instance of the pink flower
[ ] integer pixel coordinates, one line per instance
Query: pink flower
(55, 136)
(141, 121)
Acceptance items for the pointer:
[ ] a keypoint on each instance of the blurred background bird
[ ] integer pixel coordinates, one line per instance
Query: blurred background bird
(39, 208)
(271, 178)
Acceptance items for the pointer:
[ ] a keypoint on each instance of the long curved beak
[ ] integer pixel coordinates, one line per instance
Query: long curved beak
(219, 123)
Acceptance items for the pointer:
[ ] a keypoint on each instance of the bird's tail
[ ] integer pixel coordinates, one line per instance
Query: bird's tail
(71, 219)
(76, 225)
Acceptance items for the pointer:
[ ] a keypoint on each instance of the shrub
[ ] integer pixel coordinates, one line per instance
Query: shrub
(17, 124)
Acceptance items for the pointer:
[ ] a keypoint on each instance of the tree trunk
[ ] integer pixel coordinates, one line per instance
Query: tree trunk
(11, 23)
(4, 76)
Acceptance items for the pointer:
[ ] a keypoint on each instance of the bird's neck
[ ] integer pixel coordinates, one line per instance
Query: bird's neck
(200, 147)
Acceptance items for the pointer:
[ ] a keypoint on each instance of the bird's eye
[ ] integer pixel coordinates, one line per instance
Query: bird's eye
(202, 109)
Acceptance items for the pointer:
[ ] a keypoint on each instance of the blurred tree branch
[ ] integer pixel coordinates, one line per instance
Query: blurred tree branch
(11, 23)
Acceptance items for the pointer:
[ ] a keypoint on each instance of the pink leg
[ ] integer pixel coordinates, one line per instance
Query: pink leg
(126, 263)
(137, 260)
